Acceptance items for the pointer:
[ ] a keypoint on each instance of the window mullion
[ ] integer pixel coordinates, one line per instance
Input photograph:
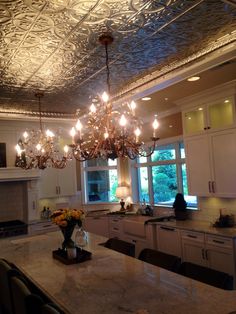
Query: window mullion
(150, 185)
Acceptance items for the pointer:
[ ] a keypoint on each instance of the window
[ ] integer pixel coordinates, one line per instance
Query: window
(163, 175)
(100, 180)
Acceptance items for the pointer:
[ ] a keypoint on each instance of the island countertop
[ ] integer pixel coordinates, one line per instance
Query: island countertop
(111, 283)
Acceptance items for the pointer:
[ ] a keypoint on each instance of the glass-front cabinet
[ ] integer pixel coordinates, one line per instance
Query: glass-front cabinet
(219, 114)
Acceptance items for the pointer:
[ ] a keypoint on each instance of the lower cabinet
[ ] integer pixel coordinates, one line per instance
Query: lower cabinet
(168, 240)
(211, 251)
(193, 247)
(115, 227)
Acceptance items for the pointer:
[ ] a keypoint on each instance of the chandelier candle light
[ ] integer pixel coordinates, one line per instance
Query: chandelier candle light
(40, 149)
(109, 133)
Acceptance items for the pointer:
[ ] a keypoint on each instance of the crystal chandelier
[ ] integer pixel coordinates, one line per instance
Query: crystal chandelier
(109, 133)
(40, 149)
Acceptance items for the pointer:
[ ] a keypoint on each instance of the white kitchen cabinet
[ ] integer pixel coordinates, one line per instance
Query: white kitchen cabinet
(168, 240)
(98, 225)
(116, 227)
(211, 251)
(58, 182)
(193, 245)
(209, 116)
(219, 253)
(211, 164)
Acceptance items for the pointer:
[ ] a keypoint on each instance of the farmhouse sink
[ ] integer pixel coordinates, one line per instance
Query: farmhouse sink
(135, 226)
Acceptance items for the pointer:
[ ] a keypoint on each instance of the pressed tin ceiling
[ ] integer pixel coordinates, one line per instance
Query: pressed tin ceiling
(53, 46)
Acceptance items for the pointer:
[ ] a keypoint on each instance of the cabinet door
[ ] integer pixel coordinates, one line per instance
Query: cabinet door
(67, 179)
(48, 183)
(198, 165)
(168, 240)
(223, 145)
(221, 114)
(219, 254)
(194, 121)
(193, 247)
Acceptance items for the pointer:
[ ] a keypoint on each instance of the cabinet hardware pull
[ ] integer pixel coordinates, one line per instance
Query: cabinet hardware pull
(208, 128)
(209, 186)
(218, 241)
(169, 229)
(205, 128)
(116, 229)
(59, 189)
(192, 236)
(206, 254)
(203, 254)
(213, 186)
(96, 218)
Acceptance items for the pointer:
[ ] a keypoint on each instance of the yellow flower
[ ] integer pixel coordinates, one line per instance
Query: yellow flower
(63, 216)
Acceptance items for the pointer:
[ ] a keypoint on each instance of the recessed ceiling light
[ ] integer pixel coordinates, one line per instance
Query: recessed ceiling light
(226, 101)
(200, 108)
(146, 98)
(170, 126)
(166, 98)
(189, 118)
(193, 78)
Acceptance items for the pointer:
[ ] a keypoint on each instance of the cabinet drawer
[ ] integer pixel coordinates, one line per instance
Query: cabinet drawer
(219, 241)
(193, 236)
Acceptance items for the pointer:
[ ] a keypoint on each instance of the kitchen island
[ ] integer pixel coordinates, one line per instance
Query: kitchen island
(111, 283)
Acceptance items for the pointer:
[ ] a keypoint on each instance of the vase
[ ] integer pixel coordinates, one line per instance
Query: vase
(67, 233)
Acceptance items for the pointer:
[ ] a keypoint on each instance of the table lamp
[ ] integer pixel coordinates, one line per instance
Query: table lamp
(122, 192)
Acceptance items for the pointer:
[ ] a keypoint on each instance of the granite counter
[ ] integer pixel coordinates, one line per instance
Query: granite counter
(201, 226)
(111, 283)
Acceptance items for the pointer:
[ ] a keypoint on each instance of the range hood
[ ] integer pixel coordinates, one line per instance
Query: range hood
(18, 174)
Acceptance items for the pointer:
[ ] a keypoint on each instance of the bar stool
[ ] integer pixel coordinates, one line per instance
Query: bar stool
(23, 301)
(207, 275)
(49, 309)
(120, 246)
(161, 259)
(5, 298)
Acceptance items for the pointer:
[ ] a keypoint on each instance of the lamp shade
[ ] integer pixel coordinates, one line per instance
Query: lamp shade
(122, 191)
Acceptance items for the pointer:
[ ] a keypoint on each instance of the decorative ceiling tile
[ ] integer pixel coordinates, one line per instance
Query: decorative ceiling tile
(53, 45)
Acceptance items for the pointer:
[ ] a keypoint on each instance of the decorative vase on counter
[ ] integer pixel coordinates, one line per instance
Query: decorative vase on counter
(67, 232)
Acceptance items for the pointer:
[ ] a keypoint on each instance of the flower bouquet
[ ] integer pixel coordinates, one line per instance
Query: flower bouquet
(67, 219)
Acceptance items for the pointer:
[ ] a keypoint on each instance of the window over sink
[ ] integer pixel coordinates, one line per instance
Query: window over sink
(162, 175)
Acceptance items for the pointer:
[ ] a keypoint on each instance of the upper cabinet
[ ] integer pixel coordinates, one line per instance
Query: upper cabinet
(58, 182)
(209, 111)
(210, 142)
(217, 115)
(211, 164)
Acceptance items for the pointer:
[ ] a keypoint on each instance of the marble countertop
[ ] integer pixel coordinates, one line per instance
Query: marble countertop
(201, 226)
(111, 282)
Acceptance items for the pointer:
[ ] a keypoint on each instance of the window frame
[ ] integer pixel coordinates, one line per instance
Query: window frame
(84, 182)
(178, 161)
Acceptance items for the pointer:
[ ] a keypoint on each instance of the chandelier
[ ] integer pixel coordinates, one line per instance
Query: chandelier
(107, 132)
(40, 149)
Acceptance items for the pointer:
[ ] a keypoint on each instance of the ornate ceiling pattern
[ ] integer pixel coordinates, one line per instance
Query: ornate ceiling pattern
(53, 46)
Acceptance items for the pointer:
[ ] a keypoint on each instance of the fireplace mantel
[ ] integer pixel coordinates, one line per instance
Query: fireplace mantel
(18, 174)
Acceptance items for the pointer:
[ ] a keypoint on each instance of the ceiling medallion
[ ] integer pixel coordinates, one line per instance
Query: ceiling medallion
(107, 132)
(40, 149)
